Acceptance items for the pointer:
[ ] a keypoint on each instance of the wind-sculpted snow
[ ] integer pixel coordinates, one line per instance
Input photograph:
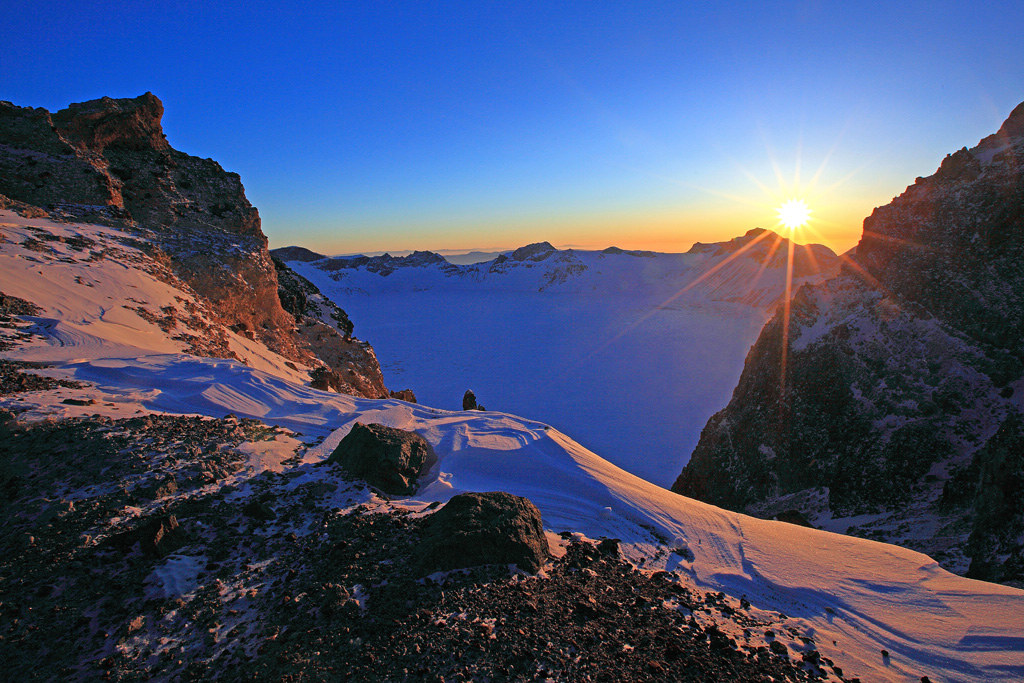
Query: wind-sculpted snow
(866, 596)
(630, 351)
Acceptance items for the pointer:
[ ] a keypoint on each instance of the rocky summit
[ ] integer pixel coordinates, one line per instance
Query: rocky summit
(896, 395)
(108, 161)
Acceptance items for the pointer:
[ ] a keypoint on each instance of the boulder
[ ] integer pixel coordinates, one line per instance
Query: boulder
(388, 458)
(404, 395)
(474, 529)
(469, 401)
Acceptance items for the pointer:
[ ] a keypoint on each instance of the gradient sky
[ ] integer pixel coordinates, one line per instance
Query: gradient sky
(362, 126)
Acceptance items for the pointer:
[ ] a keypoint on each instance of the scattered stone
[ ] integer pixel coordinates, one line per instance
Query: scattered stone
(157, 537)
(160, 488)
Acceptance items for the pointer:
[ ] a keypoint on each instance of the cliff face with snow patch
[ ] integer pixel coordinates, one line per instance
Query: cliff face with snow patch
(896, 396)
(108, 161)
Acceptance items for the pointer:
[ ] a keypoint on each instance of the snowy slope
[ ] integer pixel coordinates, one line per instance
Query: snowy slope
(855, 597)
(102, 295)
(866, 596)
(631, 352)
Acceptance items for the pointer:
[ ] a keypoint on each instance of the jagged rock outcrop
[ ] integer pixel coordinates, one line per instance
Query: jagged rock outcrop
(391, 459)
(303, 299)
(108, 161)
(351, 364)
(897, 390)
(406, 395)
(469, 401)
(484, 528)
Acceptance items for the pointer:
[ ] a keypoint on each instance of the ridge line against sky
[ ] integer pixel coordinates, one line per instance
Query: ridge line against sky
(373, 127)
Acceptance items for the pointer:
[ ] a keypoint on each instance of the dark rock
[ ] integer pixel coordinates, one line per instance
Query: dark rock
(469, 401)
(157, 537)
(608, 546)
(404, 395)
(79, 401)
(793, 517)
(484, 528)
(12, 305)
(388, 458)
(161, 488)
(258, 509)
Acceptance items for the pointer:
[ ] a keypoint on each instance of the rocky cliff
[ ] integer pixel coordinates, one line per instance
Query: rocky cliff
(108, 161)
(896, 395)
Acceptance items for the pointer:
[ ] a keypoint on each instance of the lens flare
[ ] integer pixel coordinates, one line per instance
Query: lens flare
(794, 214)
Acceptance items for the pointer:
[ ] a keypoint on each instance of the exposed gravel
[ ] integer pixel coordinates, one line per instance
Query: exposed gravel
(301, 574)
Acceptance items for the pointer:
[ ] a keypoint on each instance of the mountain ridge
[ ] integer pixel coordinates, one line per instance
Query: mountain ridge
(108, 161)
(899, 407)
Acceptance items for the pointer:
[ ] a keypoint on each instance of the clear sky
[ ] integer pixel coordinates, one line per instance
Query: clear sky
(362, 126)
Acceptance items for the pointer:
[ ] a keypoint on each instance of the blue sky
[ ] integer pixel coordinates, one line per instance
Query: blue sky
(391, 125)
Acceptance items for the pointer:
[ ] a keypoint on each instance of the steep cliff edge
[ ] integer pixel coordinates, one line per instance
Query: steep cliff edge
(893, 409)
(108, 161)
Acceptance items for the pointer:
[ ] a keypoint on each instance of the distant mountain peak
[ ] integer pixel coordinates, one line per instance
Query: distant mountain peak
(537, 251)
(295, 253)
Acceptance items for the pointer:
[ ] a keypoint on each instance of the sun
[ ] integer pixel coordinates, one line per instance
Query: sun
(794, 214)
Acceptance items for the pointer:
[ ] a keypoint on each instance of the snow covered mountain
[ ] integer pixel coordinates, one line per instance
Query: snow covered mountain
(899, 416)
(630, 351)
(820, 596)
(168, 512)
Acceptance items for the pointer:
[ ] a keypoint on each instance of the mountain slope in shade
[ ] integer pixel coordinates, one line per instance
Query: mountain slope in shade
(899, 414)
(630, 351)
(850, 598)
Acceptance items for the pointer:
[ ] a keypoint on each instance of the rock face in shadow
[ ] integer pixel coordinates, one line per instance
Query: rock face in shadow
(896, 389)
(351, 364)
(484, 528)
(391, 459)
(108, 161)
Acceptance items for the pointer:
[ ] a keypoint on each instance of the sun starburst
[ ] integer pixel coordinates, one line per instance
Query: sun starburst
(794, 214)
